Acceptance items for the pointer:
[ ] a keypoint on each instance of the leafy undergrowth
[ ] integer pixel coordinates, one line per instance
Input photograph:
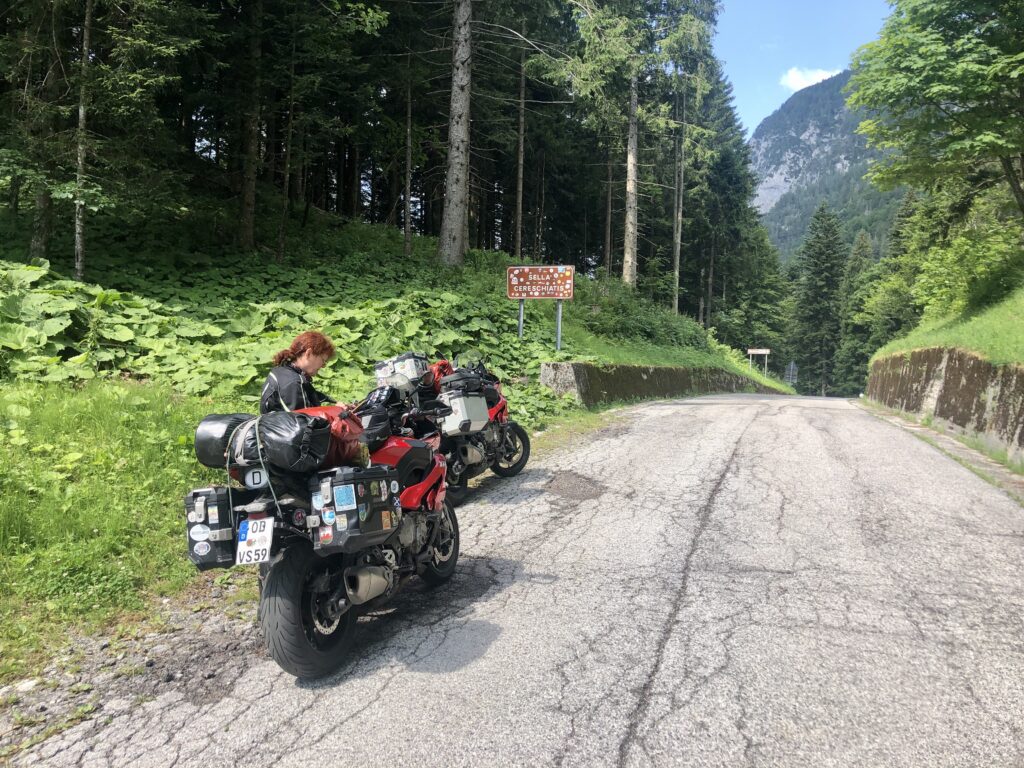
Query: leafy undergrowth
(90, 501)
(993, 333)
(103, 382)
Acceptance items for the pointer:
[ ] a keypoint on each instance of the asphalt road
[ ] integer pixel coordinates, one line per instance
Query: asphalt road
(721, 581)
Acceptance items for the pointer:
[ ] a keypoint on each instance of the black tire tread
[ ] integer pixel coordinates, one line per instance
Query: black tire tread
(516, 468)
(280, 616)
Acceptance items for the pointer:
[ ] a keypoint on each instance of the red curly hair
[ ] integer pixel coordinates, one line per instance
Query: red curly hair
(312, 341)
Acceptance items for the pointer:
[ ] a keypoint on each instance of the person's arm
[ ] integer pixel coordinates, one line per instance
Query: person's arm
(324, 398)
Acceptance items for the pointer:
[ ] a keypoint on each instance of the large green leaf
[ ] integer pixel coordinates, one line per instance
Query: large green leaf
(17, 337)
(116, 332)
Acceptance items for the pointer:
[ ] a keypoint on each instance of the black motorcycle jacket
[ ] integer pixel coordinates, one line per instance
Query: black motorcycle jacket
(289, 389)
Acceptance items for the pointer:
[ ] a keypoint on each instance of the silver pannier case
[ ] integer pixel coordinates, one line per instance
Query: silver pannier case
(469, 412)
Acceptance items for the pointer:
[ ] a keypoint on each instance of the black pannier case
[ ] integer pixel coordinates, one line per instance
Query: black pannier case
(358, 507)
(210, 525)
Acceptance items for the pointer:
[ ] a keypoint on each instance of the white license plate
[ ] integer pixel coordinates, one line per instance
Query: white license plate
(255, 536)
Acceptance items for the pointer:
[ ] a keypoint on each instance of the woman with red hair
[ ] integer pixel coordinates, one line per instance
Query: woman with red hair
(290, 383)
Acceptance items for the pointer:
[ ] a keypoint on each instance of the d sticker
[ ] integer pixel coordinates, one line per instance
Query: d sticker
(394, 486)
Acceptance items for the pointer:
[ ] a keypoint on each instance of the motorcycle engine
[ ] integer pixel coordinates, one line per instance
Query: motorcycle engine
(412, 533)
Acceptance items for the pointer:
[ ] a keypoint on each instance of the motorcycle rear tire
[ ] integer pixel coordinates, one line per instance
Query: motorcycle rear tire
(436, 572)
(456, 492)
(514, 469)
(291, 634)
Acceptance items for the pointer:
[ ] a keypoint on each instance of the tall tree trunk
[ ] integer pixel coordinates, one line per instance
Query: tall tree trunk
(538, 246)
(677, 217)
(355, 182)
(251, 137)
(608, 221)
(407, 196)
(452, 243)
(711, 292)
(339, 176)
(286, 203)
(520, 152)
(700, 304)
(83, 95)
(1014, 181)
(42, 224)
(629, 257)
(14, 194)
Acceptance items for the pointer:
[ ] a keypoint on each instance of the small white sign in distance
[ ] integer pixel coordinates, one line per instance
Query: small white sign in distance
(759, 351)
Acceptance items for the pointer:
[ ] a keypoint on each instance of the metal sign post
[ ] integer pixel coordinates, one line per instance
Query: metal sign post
(541, 283)
(750, 358)
(558, 325)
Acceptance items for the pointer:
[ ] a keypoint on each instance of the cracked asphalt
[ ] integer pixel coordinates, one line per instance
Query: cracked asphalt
(721, 581)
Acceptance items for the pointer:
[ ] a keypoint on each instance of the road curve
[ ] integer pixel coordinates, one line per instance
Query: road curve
(721, 581)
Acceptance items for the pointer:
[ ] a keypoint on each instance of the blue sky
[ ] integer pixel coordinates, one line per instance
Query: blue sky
(763, 42)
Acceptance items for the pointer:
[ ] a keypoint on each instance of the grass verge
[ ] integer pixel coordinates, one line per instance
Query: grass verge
(994, 333)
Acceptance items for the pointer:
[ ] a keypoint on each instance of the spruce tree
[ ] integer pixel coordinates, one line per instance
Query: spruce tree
(854, 345)
(822, 258)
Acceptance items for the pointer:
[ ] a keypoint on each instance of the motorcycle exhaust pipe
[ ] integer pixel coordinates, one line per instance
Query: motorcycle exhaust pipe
(364, 583)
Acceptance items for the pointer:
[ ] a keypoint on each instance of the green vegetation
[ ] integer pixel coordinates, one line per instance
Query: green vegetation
(996, 333)
(934, 93)
(89, 497)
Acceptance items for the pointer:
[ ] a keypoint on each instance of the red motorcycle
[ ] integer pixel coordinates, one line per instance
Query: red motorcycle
(479, 433)
(337, 542)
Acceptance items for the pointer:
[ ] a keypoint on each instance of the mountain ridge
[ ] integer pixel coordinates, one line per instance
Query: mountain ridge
(808, 151)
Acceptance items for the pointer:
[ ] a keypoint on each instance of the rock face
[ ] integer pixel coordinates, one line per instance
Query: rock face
(957, 388)
(807, 152)
(592, 384)
(810, 136)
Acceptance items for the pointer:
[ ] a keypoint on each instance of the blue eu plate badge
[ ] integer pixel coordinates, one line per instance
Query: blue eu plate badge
(344, 498)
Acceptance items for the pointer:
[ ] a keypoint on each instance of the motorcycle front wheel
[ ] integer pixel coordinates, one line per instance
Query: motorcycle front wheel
(514, 452)
(301, 632)
(445, 551)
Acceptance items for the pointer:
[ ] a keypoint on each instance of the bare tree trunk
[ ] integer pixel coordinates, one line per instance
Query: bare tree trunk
(711, 292)
(287, 156)
(1014, 181)
(700, 304)
(452, 242)
(83, 95)
(251, 137)
(407, 201)
(608, 221)
(14, 195)
(42, 225)
(538, 248)
(629, 257)
(520, 151)
(677, 218)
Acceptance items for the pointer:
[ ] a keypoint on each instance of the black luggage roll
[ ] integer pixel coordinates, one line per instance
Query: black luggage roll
(461, 381)
(295, 442)
(212, 436)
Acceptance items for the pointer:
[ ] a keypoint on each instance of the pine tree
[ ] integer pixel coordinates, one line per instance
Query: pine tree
(822, 258)
(854, 345)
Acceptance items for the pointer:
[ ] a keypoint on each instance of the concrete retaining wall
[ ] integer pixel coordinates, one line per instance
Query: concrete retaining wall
(959, 389)
(592, 384)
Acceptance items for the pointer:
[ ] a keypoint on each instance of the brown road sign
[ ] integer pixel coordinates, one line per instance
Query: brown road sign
(540, 282)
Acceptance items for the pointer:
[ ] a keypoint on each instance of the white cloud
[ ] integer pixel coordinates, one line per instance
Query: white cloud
(798, 77)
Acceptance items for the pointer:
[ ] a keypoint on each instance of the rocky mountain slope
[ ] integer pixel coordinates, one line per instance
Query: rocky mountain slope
(808, 151)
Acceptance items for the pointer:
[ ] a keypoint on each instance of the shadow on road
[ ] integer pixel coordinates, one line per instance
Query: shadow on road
(421, 628)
